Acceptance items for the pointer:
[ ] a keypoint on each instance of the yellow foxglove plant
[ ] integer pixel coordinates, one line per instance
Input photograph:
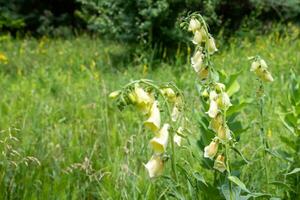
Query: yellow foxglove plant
(215, 95)
(150, 99)
(260, 68)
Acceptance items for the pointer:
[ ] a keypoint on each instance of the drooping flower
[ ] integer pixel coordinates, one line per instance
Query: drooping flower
(194, 25)
(114, 94)
(142, 99)
(220, 87)
(216, 122)
(213, 96)
(211, 45)
(219, 163)
(197, 61)
(254, 66)
(169, 93)
(223, 101)
(213, 109)
(211, 150)
(203, 73)
(260, 68)
(155, 166)
(153, 122)
(160, 141)
(177, 138)
(198, 37)
(224, 133)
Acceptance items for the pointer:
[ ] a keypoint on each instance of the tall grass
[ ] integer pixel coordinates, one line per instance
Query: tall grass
(55, 109)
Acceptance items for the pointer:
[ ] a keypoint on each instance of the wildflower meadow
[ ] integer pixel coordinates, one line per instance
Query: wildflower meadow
(215, 117)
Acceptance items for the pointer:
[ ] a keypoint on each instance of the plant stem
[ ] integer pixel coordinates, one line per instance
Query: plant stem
(227, 159)
(262, 131)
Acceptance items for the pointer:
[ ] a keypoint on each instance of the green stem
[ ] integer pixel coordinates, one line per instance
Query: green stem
(262, 132)
(227, 159)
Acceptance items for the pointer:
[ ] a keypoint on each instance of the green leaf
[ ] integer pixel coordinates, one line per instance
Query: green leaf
(237, 181)
(240, 153)
(294, 171)
(282, 184)
(199, 177)
(233, 88)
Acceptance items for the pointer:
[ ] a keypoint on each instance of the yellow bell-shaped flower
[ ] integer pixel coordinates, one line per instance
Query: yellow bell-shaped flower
(211, 150)
(153, 122)
(194, 25)
(219, 163)
(216, 122)
(160, 141)
(197, 61)
(211, 45)
(223, 101)
(142, 99)
(155, 166)
(224, 133)
(213, 109)
(198, 37)
(267, 76)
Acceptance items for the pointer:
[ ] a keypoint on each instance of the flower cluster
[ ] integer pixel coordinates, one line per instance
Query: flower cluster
(218, 99)
(147, 103)
(205, 45)
(260, 68)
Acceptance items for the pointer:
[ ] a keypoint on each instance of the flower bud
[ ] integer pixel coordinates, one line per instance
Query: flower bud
(175, 113)
(160, 141)
(177, 138)
(155, 166)
(205, 94)
(219, 163)
(194, 25)
(153, 122)
(169, 93)
(211, 150)
(114, 94)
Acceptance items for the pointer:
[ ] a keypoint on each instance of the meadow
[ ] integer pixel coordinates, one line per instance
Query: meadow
(61, 137)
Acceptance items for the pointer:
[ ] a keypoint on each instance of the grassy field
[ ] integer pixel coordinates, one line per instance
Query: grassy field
(62, 138)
